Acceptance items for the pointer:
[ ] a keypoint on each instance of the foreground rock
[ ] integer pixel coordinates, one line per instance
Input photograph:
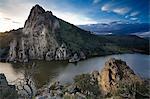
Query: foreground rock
(7, 91)
(114, 72)
(116, 80)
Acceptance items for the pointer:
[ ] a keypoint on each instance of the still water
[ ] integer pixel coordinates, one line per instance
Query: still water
(64, 71)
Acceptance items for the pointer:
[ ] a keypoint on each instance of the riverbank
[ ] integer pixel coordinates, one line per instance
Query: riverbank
(64, 71)
(100, 84)
(89, 84)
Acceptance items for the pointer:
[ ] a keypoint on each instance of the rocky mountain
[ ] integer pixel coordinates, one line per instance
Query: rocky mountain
(46, 37)
(118, 28)
(39, 38)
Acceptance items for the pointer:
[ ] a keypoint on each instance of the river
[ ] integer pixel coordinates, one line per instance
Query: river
(64, 71)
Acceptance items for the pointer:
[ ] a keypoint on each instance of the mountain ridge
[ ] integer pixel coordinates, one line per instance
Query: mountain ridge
(46, 37)
(117, 28)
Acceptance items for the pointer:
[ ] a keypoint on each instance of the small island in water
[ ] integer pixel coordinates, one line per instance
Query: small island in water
(46, 39)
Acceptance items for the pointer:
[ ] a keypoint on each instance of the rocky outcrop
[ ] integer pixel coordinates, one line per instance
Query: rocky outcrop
(60, 91)
(114, 72)
(12, 50)
(39, 39)
(37, 36)
(100, 84)
(62, 53)
(77, 56)
(7, 91)
(50, 55)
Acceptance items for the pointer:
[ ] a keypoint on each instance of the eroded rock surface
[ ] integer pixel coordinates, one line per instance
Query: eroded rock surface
(39, 39)
(114, 72)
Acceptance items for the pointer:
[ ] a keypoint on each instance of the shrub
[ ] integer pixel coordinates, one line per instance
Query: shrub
(87, 84)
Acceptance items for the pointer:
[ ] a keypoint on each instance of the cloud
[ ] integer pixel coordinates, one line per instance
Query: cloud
(96, 1)
(134, 19)
(126, 16)
(13, 13)
(74, 18)
(134, 13)
(106, 7)
(118, 10)
(121, 11)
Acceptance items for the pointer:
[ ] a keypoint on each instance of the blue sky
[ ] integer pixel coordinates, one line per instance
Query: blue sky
(13, 13)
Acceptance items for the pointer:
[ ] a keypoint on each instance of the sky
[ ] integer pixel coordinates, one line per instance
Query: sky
(13, 13)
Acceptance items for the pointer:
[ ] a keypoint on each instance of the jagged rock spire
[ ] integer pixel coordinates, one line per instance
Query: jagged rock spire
(40, 38)
(35, 11)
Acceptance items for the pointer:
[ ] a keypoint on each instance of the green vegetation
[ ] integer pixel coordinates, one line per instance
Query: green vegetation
(80, 40)
(87, 84)
(136, 90)
(8, 94)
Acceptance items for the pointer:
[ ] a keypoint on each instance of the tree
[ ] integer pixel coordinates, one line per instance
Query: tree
(25, 85)
(135, 90)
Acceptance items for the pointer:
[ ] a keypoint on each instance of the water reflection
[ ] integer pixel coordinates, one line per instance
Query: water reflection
(10, 73)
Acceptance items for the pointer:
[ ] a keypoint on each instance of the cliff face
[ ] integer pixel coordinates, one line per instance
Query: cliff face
(38, 40)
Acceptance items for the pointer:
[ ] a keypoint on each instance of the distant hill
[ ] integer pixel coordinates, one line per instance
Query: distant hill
(46, 37)
(119, 28)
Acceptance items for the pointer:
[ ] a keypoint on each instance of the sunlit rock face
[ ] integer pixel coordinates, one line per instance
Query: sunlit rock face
(43, 38)
(40, 31)
(114, 72)
(61, 53)
(38, 38)
(12, 50)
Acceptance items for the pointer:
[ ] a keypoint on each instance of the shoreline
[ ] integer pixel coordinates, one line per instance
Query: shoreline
(89, 57)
